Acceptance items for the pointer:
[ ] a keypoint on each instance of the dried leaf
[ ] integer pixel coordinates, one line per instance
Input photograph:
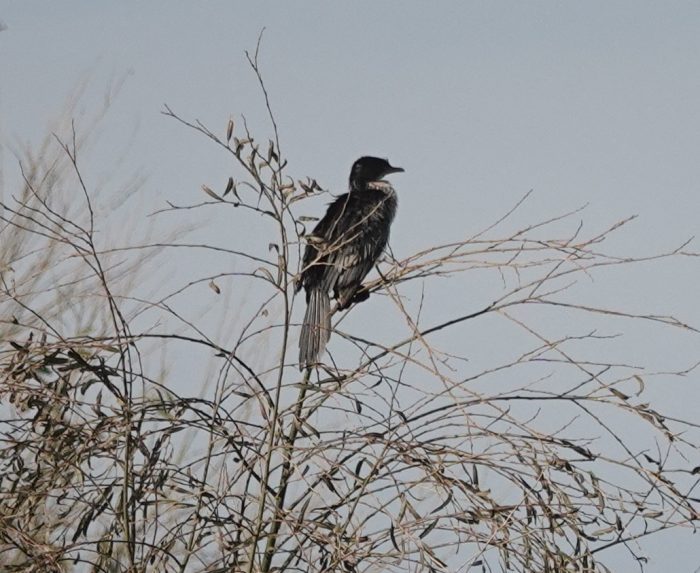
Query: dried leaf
(619, 394)
(428, 529)
(393, 537)
(229, 186)
(287, 188)
(213, 286)
(443, 504)
(267, 274)
(309, 427)
(358, 467)
(211, 193)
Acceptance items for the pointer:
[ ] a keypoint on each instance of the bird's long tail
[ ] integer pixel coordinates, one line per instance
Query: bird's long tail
(316, 329)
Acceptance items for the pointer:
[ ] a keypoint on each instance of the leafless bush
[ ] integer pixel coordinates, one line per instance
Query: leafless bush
(396, 455)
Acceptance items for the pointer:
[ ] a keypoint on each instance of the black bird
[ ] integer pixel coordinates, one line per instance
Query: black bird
(343, 248)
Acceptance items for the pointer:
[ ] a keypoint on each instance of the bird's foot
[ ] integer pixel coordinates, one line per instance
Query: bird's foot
(360, 295)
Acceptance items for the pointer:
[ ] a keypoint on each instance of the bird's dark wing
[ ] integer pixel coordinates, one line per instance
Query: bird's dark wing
(326, 231)
(347, 242)
(324, 242)
(353, 264)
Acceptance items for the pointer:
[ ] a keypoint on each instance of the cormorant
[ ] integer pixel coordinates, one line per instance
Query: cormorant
(342, 249)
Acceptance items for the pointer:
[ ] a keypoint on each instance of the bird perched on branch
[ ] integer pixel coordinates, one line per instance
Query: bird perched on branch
(342, 249)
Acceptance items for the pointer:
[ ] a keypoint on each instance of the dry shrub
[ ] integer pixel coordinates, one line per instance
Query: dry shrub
(397, 455)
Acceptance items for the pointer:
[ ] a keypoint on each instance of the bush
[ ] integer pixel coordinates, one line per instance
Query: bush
(395, 454)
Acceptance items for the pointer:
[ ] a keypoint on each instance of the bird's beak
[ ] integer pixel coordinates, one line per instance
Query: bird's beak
(395, 170)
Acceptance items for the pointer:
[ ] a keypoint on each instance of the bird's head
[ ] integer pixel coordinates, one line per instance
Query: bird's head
(369, 169)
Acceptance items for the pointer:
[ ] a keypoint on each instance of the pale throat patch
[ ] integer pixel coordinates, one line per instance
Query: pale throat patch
(383, 186)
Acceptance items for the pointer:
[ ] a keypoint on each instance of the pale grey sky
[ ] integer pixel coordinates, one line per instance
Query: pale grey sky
(583, 102)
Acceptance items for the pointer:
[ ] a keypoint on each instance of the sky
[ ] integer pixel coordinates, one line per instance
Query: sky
(585, 103)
